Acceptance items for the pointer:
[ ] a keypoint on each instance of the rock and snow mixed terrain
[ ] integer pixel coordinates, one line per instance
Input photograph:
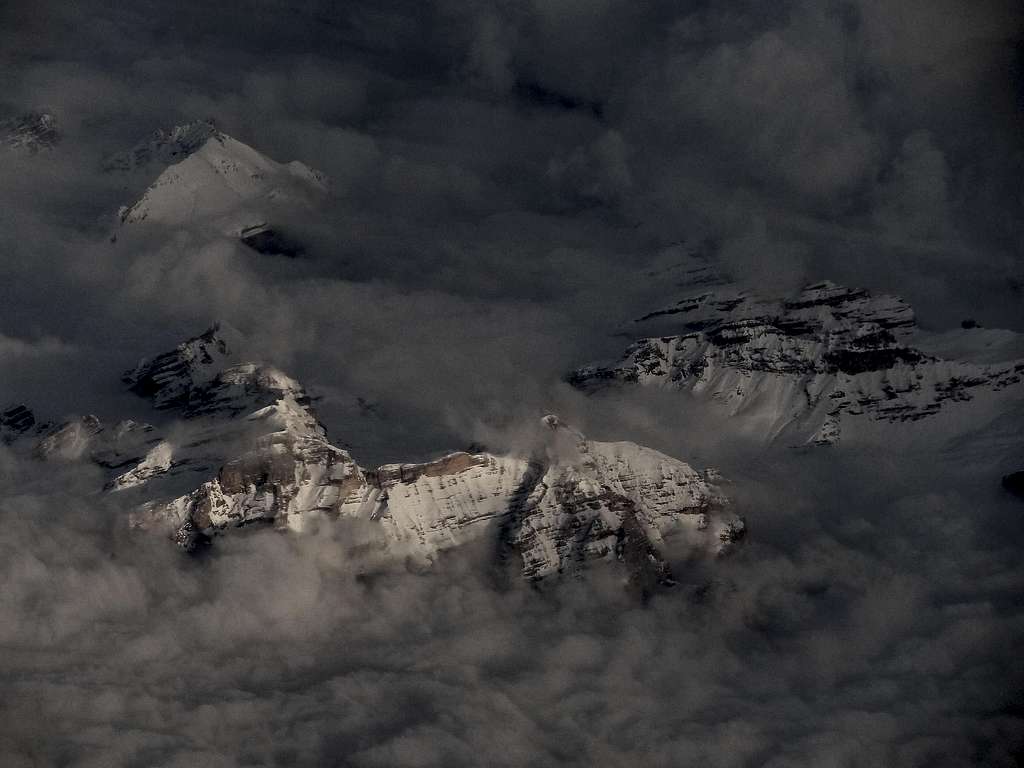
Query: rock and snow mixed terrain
(246, 446)
(249, 449)
(799, 367)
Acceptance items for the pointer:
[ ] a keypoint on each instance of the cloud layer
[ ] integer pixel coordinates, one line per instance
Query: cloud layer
(506, 177)
(872, 619)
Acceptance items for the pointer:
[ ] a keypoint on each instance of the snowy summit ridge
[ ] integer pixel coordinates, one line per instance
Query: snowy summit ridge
(556, 508)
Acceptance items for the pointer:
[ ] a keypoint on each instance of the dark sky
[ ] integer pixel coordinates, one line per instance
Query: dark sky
(506, 177)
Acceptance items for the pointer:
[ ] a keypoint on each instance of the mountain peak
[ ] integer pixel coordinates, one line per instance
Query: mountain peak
(203, 376)
(260, 455)
(801, 365)
(169, 379)
(211, 177)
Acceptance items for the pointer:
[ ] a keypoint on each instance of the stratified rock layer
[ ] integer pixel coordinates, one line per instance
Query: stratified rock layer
(798, 366)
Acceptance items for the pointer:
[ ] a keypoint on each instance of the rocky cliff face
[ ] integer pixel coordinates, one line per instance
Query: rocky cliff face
(603, 500)
(798, 366)
(202, 376)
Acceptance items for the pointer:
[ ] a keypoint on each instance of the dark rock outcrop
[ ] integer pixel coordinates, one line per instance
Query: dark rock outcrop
(1014, 483)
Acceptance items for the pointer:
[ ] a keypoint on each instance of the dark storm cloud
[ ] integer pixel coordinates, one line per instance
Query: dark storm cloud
(505, 177)
(804, 124)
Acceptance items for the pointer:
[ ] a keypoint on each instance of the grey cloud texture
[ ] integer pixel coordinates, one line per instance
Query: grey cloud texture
(506, 179)
(867, 623)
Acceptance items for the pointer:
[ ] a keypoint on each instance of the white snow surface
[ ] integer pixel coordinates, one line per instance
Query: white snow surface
(222, 182)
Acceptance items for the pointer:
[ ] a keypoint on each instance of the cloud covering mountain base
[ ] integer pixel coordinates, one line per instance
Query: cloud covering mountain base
(870, 620)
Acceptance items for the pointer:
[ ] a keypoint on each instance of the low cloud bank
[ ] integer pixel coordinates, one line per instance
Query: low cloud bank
(871, 619)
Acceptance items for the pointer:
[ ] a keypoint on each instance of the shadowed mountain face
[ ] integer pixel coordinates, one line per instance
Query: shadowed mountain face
(163, 148)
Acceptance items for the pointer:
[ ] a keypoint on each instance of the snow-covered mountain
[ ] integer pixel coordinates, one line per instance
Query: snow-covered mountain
(208, 178)
(801, 367)
(246, 446)
(250, 449)
(31, 132)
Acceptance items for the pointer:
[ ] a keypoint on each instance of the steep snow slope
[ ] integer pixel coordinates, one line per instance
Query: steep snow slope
(800, 367)
(213, 179)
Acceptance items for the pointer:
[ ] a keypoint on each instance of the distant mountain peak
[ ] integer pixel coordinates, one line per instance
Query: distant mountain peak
(212, 178)
(168, 379)
(204, 376)
(801, 365)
